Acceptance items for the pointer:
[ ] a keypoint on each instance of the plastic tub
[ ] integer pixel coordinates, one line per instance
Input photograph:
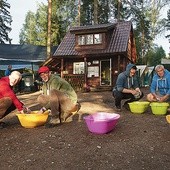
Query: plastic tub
(33, 119)
(159, 108)
(101, 122)
(168, 118)
(139, 106)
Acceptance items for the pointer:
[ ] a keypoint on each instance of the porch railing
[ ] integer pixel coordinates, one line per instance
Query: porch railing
(76, 81)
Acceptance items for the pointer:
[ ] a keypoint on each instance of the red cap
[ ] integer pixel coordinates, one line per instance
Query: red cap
(43, 69)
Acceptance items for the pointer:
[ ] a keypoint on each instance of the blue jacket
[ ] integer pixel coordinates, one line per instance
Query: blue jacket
(7, 72)
(125, 81)
(161, 85)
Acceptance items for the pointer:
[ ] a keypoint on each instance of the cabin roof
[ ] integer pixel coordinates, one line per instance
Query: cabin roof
(119, 37)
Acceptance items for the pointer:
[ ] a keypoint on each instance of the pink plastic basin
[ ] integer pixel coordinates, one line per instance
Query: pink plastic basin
(101, 122)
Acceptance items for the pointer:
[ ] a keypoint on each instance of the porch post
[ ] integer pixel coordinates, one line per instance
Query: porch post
(32, 68)
(118, 63)
(62, 67)
(85, 72)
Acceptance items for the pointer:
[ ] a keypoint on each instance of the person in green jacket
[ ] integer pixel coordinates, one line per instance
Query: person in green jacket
(58, 96)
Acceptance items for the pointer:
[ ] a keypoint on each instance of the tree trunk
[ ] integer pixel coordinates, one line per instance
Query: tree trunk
(95, 11)
(49, 29)
(118, 15)
(79, 13)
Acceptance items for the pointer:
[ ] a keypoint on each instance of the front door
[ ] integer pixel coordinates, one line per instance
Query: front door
(105, 72)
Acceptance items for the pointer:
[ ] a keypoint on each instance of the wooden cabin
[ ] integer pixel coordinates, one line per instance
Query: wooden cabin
(90, 57)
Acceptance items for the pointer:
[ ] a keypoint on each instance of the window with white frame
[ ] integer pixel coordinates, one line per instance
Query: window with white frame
(90, 39)
(93, 71)
(81, 40)
(78, 68)
(97, 38)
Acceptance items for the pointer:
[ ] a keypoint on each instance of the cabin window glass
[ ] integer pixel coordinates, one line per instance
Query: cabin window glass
(93, 71)
(89, 39)
(78, 68)
(81, 40)
(97, 38)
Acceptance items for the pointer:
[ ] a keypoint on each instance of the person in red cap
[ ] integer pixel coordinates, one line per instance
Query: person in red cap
(8, 99)
(58, 96)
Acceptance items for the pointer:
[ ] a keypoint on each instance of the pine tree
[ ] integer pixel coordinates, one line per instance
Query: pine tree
(168, 23)
(5, 22)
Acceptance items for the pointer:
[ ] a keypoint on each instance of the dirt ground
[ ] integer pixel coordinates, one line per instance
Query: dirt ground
(139, 141)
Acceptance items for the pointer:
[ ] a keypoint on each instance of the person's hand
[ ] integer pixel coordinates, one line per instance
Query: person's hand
(26, 110)
(163, 98)
(42, 110)
(156, 97)
(138, 90)
(137, 94)
(134, 92)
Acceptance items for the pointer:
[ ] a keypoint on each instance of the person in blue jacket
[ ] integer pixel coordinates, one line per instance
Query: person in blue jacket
(8, 70)
(127, 87)
(160, 86)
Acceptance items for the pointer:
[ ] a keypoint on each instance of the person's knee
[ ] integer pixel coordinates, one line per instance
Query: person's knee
(5, 103)
(40, 98)
(43, 99)
(150, 97)
(9, 101)
(76, 108)
(54, 98)
(118, 95)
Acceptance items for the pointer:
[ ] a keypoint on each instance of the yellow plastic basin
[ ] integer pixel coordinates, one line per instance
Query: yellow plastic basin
(33, 119)
(138, 106)
(159, 108)
(168, 118)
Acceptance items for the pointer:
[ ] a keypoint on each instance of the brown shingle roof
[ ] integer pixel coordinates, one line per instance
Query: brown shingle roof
(118, 41)
(90, 28)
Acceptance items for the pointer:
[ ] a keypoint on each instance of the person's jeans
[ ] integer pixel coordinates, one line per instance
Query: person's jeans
(6, 106)
(119, 96)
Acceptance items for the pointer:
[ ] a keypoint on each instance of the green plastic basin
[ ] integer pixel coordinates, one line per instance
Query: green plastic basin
(159, 108)
(139, 106)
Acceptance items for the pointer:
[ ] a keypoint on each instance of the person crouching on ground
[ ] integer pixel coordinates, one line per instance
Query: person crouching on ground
(160, 86)
(8, 99)
(58, 96)
(127, 87)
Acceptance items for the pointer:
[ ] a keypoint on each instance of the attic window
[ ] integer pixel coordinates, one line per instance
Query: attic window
(81, 40)
(89, 39)
(97, 38)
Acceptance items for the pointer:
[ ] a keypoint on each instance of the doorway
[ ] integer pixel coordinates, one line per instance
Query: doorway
(105, 72)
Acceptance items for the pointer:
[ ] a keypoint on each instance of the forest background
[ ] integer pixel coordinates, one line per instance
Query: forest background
(144, 14)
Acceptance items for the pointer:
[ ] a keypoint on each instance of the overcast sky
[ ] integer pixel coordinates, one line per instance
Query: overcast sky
(18, 11)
